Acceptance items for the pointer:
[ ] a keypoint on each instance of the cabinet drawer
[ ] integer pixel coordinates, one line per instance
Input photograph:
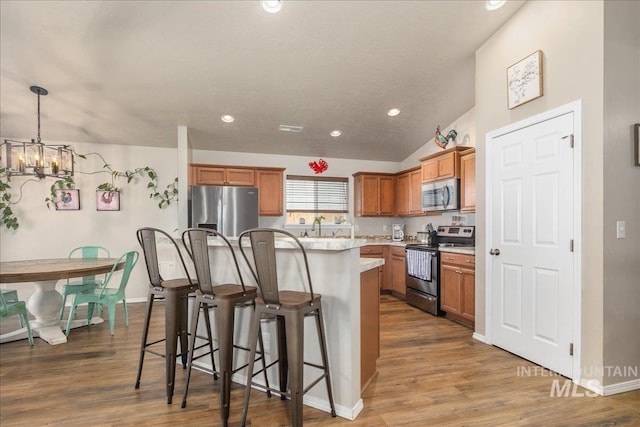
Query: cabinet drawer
(397, 251)
(465, 260)
(372, 251)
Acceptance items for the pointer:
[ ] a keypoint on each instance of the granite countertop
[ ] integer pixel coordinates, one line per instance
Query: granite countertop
(367, 264)
(458, 250)
(309, 243)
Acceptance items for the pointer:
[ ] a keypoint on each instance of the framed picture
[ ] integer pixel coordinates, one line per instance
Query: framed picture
(67, 200)
(636, 134)
(524, 80)
(107, 200)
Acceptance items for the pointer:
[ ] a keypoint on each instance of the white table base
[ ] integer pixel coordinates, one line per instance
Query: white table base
(45, 305)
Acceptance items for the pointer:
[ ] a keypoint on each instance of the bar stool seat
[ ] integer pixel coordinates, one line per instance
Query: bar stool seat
(175, 293)
(289, 308)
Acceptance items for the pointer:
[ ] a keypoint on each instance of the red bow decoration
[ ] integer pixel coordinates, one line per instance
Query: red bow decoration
(319, 166)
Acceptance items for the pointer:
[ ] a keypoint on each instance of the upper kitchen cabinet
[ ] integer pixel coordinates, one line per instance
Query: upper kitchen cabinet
(408, 192)
(222, 175)
(374, 194)
(445, 164)
(271, 189)
(468, 181)
(269, 181)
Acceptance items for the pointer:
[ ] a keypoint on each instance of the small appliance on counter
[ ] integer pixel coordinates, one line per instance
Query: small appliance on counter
(398, 232)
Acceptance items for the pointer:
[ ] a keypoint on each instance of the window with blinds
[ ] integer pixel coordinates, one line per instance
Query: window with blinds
(317, 194)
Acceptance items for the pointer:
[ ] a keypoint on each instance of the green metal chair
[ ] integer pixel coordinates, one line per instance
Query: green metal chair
(11, 295)
(87, 282)
(106, 295)
(15, 308)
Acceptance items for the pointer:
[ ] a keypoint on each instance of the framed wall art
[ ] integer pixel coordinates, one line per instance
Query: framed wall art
(67, 200)
(524, 80)
(107, 200)
(636, 143)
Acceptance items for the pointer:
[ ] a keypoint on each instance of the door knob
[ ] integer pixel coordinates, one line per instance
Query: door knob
(495, 252)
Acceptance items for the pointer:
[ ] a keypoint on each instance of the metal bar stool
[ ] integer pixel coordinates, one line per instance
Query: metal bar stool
(224, 299)
(174, 292)
(290, 308)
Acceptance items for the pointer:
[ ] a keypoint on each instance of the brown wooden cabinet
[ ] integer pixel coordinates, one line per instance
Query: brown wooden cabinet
(398, 271)
(379, 251)
(222, 175)
(457, 287)
(369, 325)
(374, 194)
(442, 165)
(408, 193)
(270, 191)
(468, 181)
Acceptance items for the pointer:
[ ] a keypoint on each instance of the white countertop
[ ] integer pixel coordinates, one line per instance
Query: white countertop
(367, 264)
(466, 251)
(309, 243)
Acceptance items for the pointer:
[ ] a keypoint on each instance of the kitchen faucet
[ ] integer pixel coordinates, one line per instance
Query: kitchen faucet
(335, 233)
(317, 220)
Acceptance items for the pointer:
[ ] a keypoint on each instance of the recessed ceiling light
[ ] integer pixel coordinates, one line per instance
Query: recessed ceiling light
(227, 118)
(393, 112)
(335, 133)
(494, 4)
(272, 6)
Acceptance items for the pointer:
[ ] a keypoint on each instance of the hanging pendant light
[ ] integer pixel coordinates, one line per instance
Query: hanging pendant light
(34, 158)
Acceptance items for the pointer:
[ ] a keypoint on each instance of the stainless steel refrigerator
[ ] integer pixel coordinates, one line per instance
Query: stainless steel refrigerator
(228, 210)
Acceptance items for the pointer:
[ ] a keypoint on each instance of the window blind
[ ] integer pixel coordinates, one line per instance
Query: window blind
(317, 194)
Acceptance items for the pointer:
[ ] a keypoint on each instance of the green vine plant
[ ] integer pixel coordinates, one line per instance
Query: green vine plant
(8, 216)
(164, 197)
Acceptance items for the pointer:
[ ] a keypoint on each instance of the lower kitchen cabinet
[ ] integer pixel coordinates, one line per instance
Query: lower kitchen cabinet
(457, 287)
(379, 251)
(369, 325)
(398, 271)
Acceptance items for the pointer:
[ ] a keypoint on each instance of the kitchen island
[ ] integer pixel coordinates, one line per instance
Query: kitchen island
(336, 268)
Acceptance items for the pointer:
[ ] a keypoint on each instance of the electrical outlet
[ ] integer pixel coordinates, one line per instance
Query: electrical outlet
(357, 227)
(385, 228)
(621, 231)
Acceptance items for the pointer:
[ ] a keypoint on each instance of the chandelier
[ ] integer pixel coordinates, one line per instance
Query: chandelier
(34, 158)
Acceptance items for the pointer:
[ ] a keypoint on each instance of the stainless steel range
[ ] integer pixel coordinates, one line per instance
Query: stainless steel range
(423, 266)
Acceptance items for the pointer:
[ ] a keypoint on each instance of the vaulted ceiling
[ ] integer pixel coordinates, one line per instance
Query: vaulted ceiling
(130, 72)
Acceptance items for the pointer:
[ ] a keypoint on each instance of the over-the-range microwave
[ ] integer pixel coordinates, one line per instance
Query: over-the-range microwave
(441, 195)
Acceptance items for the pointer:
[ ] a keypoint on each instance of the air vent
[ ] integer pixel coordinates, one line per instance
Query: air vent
(289, 128)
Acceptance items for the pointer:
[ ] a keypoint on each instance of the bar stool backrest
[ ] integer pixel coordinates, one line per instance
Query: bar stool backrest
(264, 267)
(196, 242)
(147, 237)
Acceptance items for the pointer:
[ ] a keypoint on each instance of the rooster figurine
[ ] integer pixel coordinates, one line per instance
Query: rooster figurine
(442, 140)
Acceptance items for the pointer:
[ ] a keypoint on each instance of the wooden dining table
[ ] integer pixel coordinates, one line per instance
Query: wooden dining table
(46, 302)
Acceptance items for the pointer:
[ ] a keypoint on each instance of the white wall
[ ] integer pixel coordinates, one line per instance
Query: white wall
(47, 233)
(621, 294)
(570, 35)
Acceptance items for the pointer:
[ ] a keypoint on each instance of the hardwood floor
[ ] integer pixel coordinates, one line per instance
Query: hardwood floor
(431, 373)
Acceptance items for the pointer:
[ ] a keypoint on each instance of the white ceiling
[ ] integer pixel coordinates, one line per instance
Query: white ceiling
(122, 72)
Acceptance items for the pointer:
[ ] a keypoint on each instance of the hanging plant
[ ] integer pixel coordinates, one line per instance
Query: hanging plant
(164, 197)
(8, 217)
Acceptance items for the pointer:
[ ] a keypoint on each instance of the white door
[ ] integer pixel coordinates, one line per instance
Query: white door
(531, 236)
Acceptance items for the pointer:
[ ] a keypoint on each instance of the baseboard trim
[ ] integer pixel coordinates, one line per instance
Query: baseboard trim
(621, 387)
(321, 404)
(479, 337)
